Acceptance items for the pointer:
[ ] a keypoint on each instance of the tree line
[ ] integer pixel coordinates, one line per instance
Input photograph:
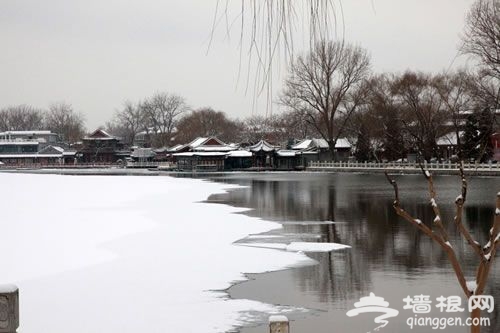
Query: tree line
(330, 92)
(59, 118)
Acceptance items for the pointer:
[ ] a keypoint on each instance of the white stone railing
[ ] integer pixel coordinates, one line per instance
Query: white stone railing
(401, 166)
(150, 164)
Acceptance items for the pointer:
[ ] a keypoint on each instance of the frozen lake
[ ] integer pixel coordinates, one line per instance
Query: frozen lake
(138, 253)
(388, 256)
(128, 254)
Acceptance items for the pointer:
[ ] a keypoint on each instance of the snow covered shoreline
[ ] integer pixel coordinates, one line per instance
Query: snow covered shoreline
(128, 254)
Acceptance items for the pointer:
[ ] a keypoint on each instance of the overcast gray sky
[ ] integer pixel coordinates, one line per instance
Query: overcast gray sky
(95, 54)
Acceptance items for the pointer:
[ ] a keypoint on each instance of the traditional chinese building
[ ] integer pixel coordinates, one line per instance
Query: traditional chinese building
(101, 147)
(202, 154)
(263, 154)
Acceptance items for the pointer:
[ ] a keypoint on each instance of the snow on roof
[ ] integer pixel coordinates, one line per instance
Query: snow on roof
(307, 143)
(286, 153)
(51, 150)
(28, 155)
(343, 143)
(239, 153)
(197, 142)
(27, 133)
(302, 144)
(214, 148)
(176, 147)
(262, 145)
(448, 139)
(321, 143)
(201, 144)
(188, 154)
(16, 143)
(95, 135)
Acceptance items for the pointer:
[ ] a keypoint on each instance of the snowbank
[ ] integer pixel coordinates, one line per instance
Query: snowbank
(127, 254)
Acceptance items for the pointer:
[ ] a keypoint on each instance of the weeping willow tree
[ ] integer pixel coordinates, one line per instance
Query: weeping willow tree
(268, 31)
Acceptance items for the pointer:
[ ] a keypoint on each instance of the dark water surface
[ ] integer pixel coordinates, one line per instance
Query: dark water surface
(388, 257)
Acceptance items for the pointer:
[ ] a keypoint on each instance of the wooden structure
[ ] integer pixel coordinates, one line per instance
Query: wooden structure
(202, 154)
(238, 160)
(101, 147)
(263, 154)
(319, 150)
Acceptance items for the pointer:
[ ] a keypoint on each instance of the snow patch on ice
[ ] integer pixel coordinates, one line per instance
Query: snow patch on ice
(300, 246)
(81, 237)
(263, 236)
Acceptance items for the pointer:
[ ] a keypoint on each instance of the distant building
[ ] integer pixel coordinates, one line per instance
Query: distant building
(202, 154)
(319, 150)
(101, 147)
(18, 152)
(21, 153)
(263, 154)
(448, 145)
(151, 137)
(21, 148)
(44, 138)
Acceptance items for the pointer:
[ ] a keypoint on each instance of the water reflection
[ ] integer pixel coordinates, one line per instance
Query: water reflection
(388, 255)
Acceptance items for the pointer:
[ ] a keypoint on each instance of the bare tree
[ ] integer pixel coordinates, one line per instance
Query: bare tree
(21, 118)
(128, 122)
(482, 35)
(383, 119)
(437, 232)
(423, 117)
(485, 91)
(454, 90)
(65, 121)
(161, 112)
(327, 87)
(292, 125)
(207, 122)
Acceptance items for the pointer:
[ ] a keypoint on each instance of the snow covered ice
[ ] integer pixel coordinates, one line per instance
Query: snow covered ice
(128, 254)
